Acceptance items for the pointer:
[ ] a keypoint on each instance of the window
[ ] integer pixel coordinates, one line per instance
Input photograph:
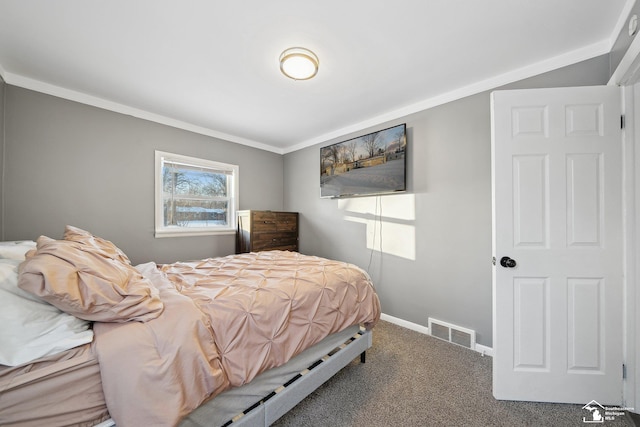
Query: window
(194, 196)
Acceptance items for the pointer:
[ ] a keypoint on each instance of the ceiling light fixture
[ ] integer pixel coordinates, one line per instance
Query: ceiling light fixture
(299, 63)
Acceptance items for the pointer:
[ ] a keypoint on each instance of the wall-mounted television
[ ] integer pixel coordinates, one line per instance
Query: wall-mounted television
(368, 165)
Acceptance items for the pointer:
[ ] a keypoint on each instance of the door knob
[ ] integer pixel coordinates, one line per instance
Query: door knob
(507, 262)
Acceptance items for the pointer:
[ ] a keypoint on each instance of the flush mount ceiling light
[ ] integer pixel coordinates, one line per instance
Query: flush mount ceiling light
(299, 63)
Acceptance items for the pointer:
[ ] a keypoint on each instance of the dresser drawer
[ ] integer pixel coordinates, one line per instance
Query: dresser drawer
(274, 240)
(274, 221)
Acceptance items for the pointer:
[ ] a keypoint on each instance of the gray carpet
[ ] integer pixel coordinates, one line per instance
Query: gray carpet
(411, 379)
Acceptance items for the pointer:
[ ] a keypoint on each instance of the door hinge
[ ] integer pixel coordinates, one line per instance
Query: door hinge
(622, 121)
(624, 371)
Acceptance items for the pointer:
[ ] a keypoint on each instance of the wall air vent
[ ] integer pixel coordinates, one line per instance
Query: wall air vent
(452, 333)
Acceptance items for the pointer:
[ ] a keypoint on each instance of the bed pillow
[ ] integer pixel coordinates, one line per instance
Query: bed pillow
(87, 283)
(31, 328)
(76, 234)
(16, 249)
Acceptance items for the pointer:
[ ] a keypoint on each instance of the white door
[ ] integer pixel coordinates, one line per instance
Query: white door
(557, 214)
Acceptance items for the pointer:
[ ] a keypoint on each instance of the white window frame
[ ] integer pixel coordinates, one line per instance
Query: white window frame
(161, 230)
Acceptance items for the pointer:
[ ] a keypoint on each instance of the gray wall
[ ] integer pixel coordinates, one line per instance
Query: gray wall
(623, 41)
(436, 238)
(69, 163)
(2, 90)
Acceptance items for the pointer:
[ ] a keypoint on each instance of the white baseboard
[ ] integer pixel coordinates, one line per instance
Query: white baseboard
(405, 324)
(482, 349)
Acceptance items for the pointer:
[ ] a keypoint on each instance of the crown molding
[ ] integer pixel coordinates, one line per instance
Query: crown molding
(83, 98)
(569, 58)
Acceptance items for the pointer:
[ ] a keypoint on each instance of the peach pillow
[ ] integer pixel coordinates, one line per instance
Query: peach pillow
(76, 234)
(88, 280)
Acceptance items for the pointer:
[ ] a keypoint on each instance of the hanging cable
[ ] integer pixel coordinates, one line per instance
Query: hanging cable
(377, 218)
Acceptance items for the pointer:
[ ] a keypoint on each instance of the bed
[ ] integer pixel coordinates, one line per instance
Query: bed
(235, 340)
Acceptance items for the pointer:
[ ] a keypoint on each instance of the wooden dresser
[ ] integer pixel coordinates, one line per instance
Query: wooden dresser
(266, 230)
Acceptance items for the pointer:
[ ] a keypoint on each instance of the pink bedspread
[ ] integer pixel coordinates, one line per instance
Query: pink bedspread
(225, 321)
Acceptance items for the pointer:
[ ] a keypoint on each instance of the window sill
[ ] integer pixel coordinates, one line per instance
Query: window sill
(193, 232)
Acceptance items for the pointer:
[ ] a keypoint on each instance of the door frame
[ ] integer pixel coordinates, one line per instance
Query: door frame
(627, 75)
(631, 242)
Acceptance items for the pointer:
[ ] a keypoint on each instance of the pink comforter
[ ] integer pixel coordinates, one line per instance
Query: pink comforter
(225, 321)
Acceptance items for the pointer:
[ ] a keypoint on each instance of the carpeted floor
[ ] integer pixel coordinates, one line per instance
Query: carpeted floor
(411, 379)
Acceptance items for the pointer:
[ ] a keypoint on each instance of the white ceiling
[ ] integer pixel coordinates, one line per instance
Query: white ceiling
(211, 66)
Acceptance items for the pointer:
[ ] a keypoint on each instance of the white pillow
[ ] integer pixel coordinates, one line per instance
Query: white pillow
(31, 328)
(16, 249)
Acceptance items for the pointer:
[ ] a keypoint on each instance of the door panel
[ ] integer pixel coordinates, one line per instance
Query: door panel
(557, 211)
(531, 324)
(530, 200)
(586, 326)
(584, 199)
